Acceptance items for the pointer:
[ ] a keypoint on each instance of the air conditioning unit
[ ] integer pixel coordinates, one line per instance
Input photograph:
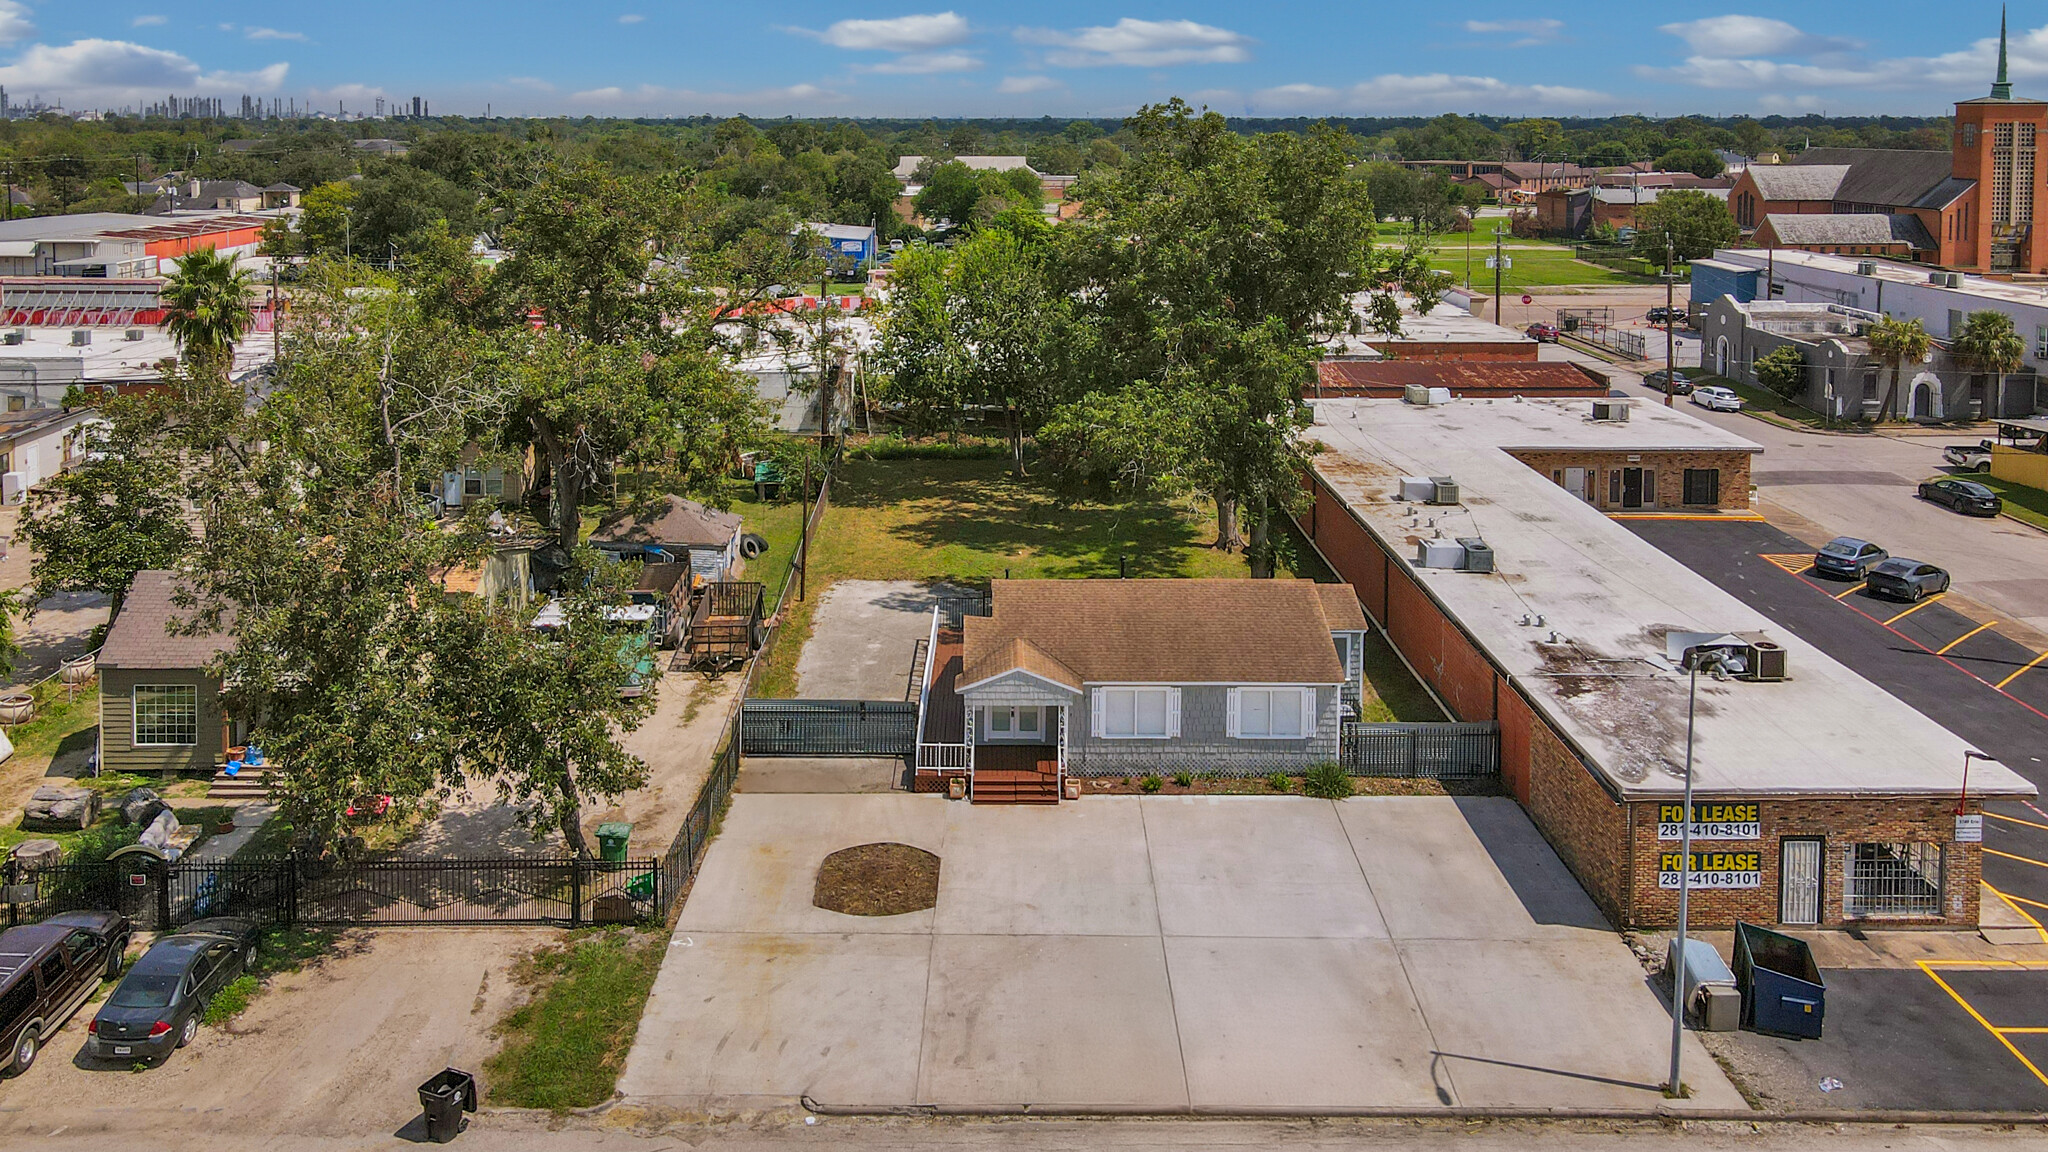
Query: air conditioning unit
(1766, 662)
(1478, 555)
(1444, 490)
(80, 337)
(1611, 411)
(1945, 279)
(1866, 267)
(1439, 554)
(1417, 488)
(134, 334)
(1415, 394)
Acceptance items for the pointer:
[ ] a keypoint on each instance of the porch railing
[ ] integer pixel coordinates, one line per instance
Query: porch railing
(944, 757)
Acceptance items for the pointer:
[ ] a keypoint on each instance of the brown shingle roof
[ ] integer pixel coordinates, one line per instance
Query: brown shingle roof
(1340, 608)
(1388, 379)
(1019, 654)
(675, 521)
(138, 638)
(1158, 632)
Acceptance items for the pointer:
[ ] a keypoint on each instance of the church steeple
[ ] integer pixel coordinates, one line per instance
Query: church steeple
(2001, 88)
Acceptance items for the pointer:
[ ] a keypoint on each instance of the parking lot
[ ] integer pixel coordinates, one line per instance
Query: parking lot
(1157, 952)
(1968, 675)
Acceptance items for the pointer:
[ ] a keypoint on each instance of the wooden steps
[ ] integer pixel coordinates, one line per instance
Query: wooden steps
(999, 786)
(250, 784)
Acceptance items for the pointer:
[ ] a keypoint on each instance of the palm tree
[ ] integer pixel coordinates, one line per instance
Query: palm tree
(1988, 343)
(207, 300)
(1897, 343)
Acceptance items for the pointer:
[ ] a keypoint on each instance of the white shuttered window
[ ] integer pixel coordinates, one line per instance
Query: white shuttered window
(1136, 713)
(1272, 713)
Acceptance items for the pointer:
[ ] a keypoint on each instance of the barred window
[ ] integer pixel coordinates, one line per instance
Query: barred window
(1892, 880)
(166, 714)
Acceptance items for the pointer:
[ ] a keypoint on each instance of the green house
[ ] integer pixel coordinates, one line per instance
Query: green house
(160, 709)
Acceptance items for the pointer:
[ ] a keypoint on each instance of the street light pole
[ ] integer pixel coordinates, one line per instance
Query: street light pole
(1670, 355)
(1694, 659)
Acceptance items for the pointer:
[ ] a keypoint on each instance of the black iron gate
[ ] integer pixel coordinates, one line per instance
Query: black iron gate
(1441, 751)
(828, 728)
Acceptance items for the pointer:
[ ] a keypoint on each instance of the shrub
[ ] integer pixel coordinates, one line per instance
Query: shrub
(1783, 371)
(1279, 782)
(1151, 783)
(1184, 779)
(1327, 781)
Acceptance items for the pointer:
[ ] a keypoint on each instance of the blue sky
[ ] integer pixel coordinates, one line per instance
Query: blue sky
(1364, 57)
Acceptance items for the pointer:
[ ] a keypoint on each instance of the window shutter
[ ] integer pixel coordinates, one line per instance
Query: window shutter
(1173, 713)
(1308, 712)
(1230, 719)
(1095, 710)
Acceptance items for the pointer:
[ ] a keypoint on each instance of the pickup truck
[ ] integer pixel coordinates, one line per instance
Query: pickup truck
(1977, 457)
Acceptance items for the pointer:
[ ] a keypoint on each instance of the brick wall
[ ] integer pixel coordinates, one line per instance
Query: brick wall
(1586, 827)
(1456, 350)
(1670, 469)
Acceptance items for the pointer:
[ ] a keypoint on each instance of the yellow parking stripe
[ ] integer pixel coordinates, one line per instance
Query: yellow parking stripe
(2021, 859)
(2017, 820)
(2018, 1031)
(1979, 1018)
(1857, 586)
(2020, 899)
(1796, 563)
(2016, 675)
(1943, 650)
(2028, 916)
(1915, 608)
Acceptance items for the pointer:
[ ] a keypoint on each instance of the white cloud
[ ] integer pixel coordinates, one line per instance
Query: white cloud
(1724, 36)
(920, 33)
(1828, 64)
(88, 72)
(255, 33)
(925, 63)
(1437, 92)
(360, 94)
(655, 99)
(1019, 85)
(150, 21)
(631, 18)
(1140, 44)
(1529, 32)
(14, 22)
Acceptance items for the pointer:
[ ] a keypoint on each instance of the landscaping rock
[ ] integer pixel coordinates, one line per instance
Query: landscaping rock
(58, 809)
(38, 853)
(161, 829)
(140, 807)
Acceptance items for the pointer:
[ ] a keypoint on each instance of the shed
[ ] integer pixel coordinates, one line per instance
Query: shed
(673, 530)
(160, 704)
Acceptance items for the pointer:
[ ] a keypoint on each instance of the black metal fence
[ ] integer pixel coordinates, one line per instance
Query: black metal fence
(828, 727)
(686, 851)
(1439, 751)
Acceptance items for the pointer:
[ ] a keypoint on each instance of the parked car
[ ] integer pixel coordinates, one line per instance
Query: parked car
(1848, 556)
(1717, 398)
(157, 1007)
(1966, 496)
(1973, 457)
(48, 970)
(1680, 386)
(1667, 316)
(1901, 579)
(1543, 333)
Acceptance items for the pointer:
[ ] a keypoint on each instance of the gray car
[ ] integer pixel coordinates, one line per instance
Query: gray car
(1901, 579)
(158, 1006)
(1848, 556)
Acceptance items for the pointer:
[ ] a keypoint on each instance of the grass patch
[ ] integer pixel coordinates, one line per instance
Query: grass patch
(1530, 268)
(1766, 404)
(64, 723)
(1392, 695)
(2022, 503)
(564, 1048)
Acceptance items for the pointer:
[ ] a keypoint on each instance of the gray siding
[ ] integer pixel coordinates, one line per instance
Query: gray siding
(118, 751)
(1204, 746)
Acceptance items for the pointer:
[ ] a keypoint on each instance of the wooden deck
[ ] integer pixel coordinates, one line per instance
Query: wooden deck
(945, 717)
(1016, 774)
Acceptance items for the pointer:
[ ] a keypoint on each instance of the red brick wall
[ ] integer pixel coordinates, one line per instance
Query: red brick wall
(1456, 350)
(1670, 467)
(1586, 827)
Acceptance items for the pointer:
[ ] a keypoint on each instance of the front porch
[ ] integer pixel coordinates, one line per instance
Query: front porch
(1002, 763)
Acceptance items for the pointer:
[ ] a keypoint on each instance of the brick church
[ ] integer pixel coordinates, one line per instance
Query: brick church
(1974, 208)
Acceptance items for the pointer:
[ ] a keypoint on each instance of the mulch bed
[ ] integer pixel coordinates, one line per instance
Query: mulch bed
(1257, 786)
(878, 880)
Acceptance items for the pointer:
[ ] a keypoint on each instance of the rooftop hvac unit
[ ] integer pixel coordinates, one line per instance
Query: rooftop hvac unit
(1766, 661)
(14, 337)
(1611, 411)
(1866, 267)
(1439, 554)
(80, 337)
(134, 334)
(1417, 488)
(1478, 556)
(1444, 490)
(1415, 394)
(1945, 279)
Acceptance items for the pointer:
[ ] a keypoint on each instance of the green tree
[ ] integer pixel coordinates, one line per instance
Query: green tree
(1692, 158)
(1897, 343)
(1989, 344)
(1535, 137)
(1783, 371)
(206, 302)
(950, 192)
(94, 527)
(1696, 223)
(324, 218)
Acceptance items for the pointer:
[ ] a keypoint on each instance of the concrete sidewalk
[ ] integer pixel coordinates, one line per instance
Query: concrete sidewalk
(1156, 952)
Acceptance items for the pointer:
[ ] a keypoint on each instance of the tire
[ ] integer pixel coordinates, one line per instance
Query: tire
(1984, 467)
(191, 1028)
(116, 957)
(1919, 593)
(25, 1050)
(752, 545)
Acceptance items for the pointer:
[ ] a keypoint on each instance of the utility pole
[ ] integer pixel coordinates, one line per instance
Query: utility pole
(1670, 325)
(1496, 275)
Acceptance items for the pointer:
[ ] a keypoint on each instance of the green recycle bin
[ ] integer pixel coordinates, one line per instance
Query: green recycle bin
(611, 841)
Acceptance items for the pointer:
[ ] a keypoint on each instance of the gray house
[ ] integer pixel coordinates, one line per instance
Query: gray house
(1130, 677)
(1843, 378)
(160, 708)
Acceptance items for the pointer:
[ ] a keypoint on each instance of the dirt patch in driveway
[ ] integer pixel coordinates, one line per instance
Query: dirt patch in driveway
(878, 880)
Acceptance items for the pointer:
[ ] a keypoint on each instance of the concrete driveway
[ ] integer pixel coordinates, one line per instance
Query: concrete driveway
(1157, 952)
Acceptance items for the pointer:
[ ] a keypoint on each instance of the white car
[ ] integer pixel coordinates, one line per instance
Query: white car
(1718, 399)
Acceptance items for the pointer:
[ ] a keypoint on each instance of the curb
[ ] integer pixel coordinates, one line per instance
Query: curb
(1662, 1114)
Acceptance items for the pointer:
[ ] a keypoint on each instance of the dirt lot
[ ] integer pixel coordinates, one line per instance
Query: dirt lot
(337, 1048)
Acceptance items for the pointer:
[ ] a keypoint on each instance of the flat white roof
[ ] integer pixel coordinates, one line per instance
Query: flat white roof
(1612, 598)
(46, 354)
(1447, 323)
(1890, 271)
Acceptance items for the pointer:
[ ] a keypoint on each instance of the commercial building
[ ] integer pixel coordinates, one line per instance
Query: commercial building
(1451, 330)
(1576, 211)
(1843, 379)
(854, 243)
(1820, 799)
(113, 245)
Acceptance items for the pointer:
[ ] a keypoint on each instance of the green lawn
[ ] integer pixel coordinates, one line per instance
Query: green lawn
(1767, 405)
(2029, 505)
(564, 1048)
(1531, 268)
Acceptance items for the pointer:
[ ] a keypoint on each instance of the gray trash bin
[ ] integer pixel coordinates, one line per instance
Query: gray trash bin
(445, 1098)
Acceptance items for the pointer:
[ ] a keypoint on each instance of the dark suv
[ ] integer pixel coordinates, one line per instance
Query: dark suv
(47, 970)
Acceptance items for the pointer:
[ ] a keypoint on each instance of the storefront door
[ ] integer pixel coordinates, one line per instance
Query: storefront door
(1799, 881)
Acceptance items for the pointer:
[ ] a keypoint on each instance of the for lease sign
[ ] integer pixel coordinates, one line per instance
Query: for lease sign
(1712, 869)
(1711, 820)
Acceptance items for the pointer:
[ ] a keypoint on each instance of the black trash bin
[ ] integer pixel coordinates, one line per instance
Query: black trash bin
(1781, 987)
(445, 1098)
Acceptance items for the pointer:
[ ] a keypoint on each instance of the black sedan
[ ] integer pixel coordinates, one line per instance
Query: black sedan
(1848, 556)
(1901, 579)
(1680, 386)
(1666, 316)
(157, 1007)
(1965, 496)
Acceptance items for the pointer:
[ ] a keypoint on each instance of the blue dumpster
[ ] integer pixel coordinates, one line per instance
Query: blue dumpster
(1781, 987)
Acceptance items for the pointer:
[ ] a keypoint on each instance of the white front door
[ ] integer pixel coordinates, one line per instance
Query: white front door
(1008, 724)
